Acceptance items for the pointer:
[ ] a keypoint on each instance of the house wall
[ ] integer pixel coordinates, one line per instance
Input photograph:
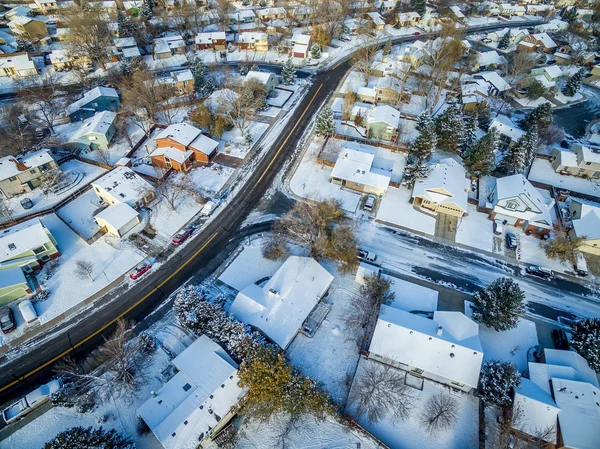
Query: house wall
(387, 95)
(159, 161)
(168, 142)
(363, 188)
(185, 87)
(451, 209)
(122, 230)
(163, 55)
(98, 105)
(49, 252)
(202, 157)
(380, 130)
(25, 181)
(10, 293)
(33, 29)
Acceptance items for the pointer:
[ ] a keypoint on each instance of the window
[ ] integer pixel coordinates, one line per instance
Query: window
(45, 258)
(186, 387)
(12, 246)
(596, 174)
(512, 205)
(32, 171)
(39, 249)
(417, 371)
(12, 178)
(588, 163)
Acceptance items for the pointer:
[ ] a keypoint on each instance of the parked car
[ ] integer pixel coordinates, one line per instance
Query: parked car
(7, 320)
(139, 271)
(182, 236)
(366, 256)
(209, 208)
(536, 270)
(370, 203)
(26, 203)
(28, 311)
(28, 403)
(580, 266)
(498, 228)
(416, 33)
(559, 338)
(511, 241)
(345, 39)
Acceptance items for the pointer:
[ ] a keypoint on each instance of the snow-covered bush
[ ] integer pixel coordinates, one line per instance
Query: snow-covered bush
(585, 340)
(90, 438)
(497, 381)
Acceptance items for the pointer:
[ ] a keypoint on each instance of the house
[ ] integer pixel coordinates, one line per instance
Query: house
(125, 49)
(585, 222)
(46, 6)
(487, 60)
(376, 19)
(96, 100)
(165, 47)
(354, 170)
(541, 42)
(182, 81)
(536, 10)
(385, 6)
(508, 10)
(304, 13)
(457, 13)
(216, 40)
(268, 14)
(23, 174)
(474, 96)
(301, 45)
(268, 79)
(256, 41)
(389, 90)
(198, 401)
(62, 59)
(18, 65)
(13, 285)
(28, 27)
(367, 94)
(95, 132)
(581, 161)
(496, 85)
(408, 19)
(516, 35)
(559, 401)
(445, 349)
(179, 145)
(382, 123)
(280, 308)
(551, 73)
(27, 245)
(445, 190)
(508, 131)
(517, 203)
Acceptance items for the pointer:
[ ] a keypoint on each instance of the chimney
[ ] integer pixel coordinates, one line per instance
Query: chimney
(153, 394)
(20, 165)
(440, 329)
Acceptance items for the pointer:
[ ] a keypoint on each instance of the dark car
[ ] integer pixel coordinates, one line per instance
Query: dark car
(7, 320)
(140, 270)
(416, 33)
(559, 338)
(26, 203)
(511, 240)
(535, 270)
(182, 236)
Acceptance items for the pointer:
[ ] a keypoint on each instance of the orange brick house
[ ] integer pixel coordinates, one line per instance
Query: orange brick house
(179, 146)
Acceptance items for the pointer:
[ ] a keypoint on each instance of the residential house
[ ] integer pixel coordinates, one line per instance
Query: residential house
(488, 60)
(242, 20)
(18, 65)
(385, 6)
(13, 285)
(198, 401)
(457, 14)
(409, 19)
(27, 245)
(367, 94)
(182, 81)
(539, 10)
(96, 100)
(581, 161)
(558, 402)
(165, 47)
(280, 308)
(28, 27)
(354, 170)
(474, 96)
(585, 222)
(95, 132)
(268, 79)
(304, 13)
(382, 123)
(46, 6)
(256, 41)
(551, 73)
(376, 19)
(508, 131)
(23, 174)
(389, 90)
(516, 35)
(445, 349)
(125, 49)
(517, 203)
(445, 190)
(179, 145)
(509, 10)
(268, 14)
(216, 40)
(553, 26)
(494, 83)
(62, 59)
(540, 42)
(301, 45)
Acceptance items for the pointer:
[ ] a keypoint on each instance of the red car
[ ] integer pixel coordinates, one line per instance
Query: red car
(140, 270)
(182, 236)
(416, 33)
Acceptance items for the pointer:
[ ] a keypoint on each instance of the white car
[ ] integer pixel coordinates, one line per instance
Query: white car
(370, 203)
(33, 400)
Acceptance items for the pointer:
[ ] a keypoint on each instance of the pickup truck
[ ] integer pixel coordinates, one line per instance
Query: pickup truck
(33, 400)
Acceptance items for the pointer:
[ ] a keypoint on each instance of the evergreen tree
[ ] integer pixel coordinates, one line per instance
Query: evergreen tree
(570, 14)
(421, 150)
(585, 340)
(540, 117)
(497, 381)
(249, 140)
(90, 438)
(505, 41)
(424, 121)
(203, 82)
(484, 117)
(324, 125)
(499, 305)
(415, 168)
(122, 25)
(418, 6)
(450, 130)
(125, 68)
(288, 72)
(315, 51)
(146, 9)
(574, 84)
(387, 49)
(480, 158)
(521, 155)
(470, 131)
(244, 70)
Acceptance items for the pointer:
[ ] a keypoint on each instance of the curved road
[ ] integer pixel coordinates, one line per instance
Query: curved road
(20, 374)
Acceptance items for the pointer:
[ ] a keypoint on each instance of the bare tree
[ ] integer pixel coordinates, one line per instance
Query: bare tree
(241, 102)
(517, 64)
(223, 8)
(84, 269)
(7, 210)
(380, 392)
(363, 58)
(501, 431)
(174, 189)
(44, 96)
(440, 412)
(89, 34)
(349, 100)
(374, 292)
(17, 133)
(444, 52)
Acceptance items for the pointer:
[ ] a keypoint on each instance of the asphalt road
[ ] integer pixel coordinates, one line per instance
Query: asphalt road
(198, 258)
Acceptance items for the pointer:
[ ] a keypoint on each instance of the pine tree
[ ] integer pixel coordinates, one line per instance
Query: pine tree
(499, 305)
(249, 140)
(387, 49)
(574, 84)
(585, 340)
(315, 51)
(421, 150)
(418, 6)
(89, 438)
(480, 158)
(505, 41)
(325, 125)
(497, 381)
(125, 68)
(470, 131)
(288, 72)
(450, 130)
(203, 82)
(122, 25)
(424, 121)
(146, 9)
(540, 117)
(570, 15)
(415, 168)
(484, 117)
(520, 155)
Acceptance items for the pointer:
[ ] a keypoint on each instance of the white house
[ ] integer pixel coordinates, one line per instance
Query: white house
(446, 349)
(518, 203)
(280, 308)
(268, 79)
(301, 45)
(354, 170)
(508, 131)
(585, 222)
(496, 85)
(198, 401)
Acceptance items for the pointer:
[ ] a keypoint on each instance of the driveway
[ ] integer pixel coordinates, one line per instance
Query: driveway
(445, 227)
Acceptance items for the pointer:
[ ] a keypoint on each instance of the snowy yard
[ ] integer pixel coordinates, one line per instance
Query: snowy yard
(476, 229)
(167, 221)
(411, 296)
(79, 214)
(209, 180)
(511, 345)
(542, 171)
(233, 143)
(396, 210)
(282, 95)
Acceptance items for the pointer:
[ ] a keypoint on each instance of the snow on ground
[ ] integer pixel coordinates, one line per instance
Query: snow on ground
(409, 434)
(76, 173)
(511, 345)
(167, 221)
(476, 229)
(79, 214)
(542, 171)
(174, 61)
(396, 210)
(354, 80)
(331, 355)
(411, 296)
(566, 100)
(233, 143)
(312, 180)
(209, 180)
(282, 96)
(249, 267)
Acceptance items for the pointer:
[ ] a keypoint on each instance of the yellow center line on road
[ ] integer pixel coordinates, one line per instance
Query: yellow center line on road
(288, 136)
(49, 362)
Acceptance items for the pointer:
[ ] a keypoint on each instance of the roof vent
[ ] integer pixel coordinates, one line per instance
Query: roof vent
(440, 329)
(273, 291)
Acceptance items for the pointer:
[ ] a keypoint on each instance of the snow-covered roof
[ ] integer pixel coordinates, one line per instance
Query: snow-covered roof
(366, 91)
(553, 71)
(495, 80)
(486, 58)
(300, 38)
(21, 238)
(546, 40)
(538, 411)
(17, 61)
(261, 77)
(300, 48)
(588, 224)
(505, 126)
(12, 276)
(123, 184)
(166, 44)
(208, 38)
(447, 346)
(457, 12)
(448, 176)
(124, 42)
(91, 95)
(408, 16)
(266, 12)
(10, 166)
(281, 306)
(376, 18)
(117, 215)
(242, 14)
(386, 114)
(173, 153)
(586, 154)
(249, 37)
(544, 81)
(571, 359)
(181, 133)
(355, 166)
(204, 144)
(99, 123)
(195, 400)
